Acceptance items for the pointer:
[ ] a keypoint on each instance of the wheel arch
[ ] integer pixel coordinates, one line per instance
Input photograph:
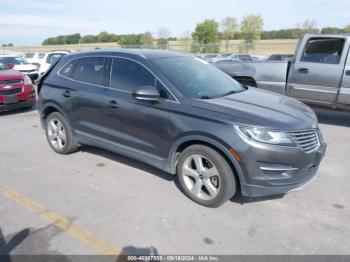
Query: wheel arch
(187, 141)
(49, 108)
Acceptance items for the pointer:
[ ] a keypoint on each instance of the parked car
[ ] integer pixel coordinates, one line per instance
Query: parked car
(21, 65)
(49, 59)
(318, 74)
(210, 57)
(184, 116)
(34, 58)
(225, 60)
(16, 89)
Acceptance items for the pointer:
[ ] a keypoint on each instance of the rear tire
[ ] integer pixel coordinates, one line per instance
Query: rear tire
(205, 176)
(59, 134)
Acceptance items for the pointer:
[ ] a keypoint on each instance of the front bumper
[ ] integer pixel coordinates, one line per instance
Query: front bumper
(20, 105)
(272, 170)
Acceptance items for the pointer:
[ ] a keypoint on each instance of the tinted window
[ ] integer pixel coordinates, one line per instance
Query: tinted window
(52, 58)
(68, 69)
(41, 55)
(91, 70)
(196, 78)
(326, 51)
(11, 60)
(128, 75)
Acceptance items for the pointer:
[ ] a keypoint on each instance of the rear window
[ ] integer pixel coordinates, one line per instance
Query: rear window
(41, 55)
(53, 58)
(92, 70)
(325, 51)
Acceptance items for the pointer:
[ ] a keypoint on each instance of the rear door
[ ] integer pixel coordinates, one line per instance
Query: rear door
(84, 81)
(317, 72)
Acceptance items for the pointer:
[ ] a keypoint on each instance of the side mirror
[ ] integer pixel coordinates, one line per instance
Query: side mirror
(148, 93)
(10, 66)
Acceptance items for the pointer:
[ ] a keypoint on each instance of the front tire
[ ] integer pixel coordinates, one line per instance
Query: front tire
(205, 176)
(59, 134)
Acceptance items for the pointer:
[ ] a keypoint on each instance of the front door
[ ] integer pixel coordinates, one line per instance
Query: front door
(136, 125)
(317, 72)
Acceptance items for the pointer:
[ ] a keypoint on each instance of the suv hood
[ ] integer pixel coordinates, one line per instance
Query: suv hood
(262, 108)
(10, 74)
(25, 67)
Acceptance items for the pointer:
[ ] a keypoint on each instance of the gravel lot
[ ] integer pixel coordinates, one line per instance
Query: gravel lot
(139, 209)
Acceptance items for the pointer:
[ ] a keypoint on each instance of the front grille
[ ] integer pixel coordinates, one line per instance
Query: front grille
(307, 140)
(10, 82)
(28, 71)
(9, 92)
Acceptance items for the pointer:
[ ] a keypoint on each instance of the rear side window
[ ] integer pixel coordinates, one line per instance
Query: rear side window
(92, 70)
(68, 69)
(325, 51)
(52, 58)
(128, 75)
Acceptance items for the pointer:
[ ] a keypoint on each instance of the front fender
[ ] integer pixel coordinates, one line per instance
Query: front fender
(172, 159)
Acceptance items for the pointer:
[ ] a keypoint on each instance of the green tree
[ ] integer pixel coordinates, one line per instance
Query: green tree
(163, 35)
(72, 39)
(88, 39)
(128, 40)
(331, 30)
(251, 29)
(50, 41)
(229, 28)
(147, 39)
(346, 29)
(206, 33)
(103, 37)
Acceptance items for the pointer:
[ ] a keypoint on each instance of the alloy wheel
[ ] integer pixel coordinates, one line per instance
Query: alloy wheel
(56, 134)
(201, 177)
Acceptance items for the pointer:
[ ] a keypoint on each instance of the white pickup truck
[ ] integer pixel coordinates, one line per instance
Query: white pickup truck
(319, 73)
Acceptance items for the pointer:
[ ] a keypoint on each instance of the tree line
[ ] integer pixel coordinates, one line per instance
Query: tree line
(209, 32)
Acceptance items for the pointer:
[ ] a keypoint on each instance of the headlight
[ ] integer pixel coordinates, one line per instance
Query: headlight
(266, 136)
(27, 80)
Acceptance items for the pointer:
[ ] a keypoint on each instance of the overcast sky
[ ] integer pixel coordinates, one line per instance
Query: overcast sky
(29, 22)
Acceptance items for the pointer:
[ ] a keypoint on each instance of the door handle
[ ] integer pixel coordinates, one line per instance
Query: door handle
(66, 93)
(303, 70)
(347, 73)
(113, 104)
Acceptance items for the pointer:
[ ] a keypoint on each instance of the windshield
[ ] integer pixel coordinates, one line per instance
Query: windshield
(195, 78)
(12, 60)
(3, 66)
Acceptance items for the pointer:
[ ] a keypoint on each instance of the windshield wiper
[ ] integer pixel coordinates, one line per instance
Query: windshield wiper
(230, 93)
(205, 97)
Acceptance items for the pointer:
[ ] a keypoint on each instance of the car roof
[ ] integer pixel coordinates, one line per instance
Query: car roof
(144, 53)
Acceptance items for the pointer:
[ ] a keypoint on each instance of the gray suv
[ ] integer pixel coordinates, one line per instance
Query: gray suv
(184, 116)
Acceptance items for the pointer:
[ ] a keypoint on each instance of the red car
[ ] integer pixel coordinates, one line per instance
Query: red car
(16, 89)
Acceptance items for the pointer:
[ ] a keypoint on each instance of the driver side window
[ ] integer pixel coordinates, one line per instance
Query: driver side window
(128, 75)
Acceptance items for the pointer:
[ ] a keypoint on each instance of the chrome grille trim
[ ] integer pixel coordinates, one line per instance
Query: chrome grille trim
(307, 140)
(10, 82)
(10, 92)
